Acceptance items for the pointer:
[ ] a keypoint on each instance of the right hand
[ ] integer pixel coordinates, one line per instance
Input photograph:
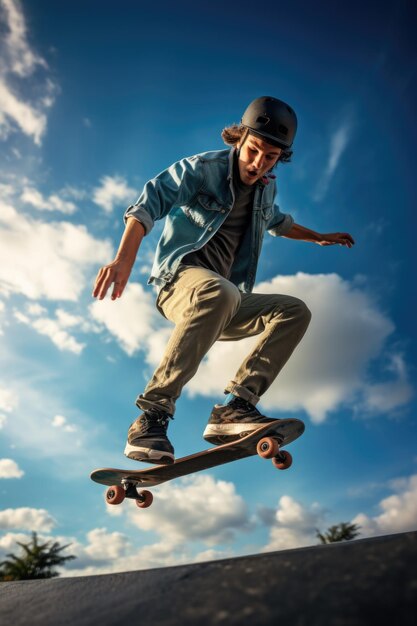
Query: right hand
(117, 274)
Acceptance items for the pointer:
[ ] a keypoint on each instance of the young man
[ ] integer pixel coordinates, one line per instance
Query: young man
(217, 207)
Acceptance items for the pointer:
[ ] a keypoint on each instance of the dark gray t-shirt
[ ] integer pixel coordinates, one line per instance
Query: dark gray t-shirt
(219, 252)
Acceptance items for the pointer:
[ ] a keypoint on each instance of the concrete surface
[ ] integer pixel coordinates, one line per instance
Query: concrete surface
(362, 582)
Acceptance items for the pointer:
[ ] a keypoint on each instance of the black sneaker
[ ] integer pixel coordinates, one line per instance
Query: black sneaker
(147, 439)
(233, 421)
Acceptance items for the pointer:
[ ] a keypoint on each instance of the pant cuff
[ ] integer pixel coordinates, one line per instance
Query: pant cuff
(144, 404)
(242, 392)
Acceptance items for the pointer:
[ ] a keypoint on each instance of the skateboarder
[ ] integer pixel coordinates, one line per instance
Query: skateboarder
(217, 206)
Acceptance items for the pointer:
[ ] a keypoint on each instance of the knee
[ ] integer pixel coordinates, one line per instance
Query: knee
(301, 312)
(221, 293)
(293, 309)
(227, 295)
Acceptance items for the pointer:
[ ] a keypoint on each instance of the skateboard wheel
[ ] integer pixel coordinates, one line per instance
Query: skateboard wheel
(115, 494)
(144, 499)
(283, 460)
(267, 447)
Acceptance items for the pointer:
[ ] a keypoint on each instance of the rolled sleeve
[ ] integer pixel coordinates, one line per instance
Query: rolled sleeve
(281, 223)
(175, 185)
(141, 215)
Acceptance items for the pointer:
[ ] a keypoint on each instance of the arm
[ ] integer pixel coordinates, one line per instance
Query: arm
(329, 239)
(174, 185)
(118, 271)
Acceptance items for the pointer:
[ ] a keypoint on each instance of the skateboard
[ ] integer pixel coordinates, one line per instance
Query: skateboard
(266, 441)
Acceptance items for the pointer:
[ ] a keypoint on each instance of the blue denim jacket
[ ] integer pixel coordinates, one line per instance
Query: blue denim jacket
(195, 195)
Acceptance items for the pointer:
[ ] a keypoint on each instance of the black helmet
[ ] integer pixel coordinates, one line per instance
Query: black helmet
(271, 119)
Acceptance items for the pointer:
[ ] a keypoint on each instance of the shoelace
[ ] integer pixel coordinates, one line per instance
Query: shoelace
(153, 416)
(240, 403)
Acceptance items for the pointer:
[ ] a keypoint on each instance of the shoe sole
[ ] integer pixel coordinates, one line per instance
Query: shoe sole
(149, 455)
(225, 433)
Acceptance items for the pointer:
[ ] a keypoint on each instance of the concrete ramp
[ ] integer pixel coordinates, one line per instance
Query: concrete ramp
(363, 582)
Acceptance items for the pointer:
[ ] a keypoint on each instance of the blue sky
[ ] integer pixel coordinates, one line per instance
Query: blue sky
(97, 97)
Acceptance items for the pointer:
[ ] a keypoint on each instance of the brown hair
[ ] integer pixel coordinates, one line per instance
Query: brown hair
(232, 135)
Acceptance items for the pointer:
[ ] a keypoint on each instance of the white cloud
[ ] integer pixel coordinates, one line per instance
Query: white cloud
(103, 552)
(34, 435)
(30, 121)
(19, 62)
(75, 193)
(35, 309)
(6, 190)
(294, 525)
(125, 557)
(52, 329)
(130, 319)
(59, 421)
(26, 518)
(387, 396)
(183, 512)
(22, 59)
(8, 400)
(68, 320)
(56, 256)
(212, 555)
(398, 511)
(8, 543)
(56, 328)
(2, 311)
(34, 197)
(338, 144)
(107, 552)
(105, 546)
(113, 190)
(10, 469)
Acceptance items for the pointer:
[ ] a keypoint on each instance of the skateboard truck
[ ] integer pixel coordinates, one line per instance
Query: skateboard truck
(268, 448)
(117, 493)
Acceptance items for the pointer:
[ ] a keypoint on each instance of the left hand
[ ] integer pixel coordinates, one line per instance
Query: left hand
(332, 239)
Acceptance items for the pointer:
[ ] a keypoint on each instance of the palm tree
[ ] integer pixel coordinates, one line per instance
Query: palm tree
(340, 532)
(37, 561)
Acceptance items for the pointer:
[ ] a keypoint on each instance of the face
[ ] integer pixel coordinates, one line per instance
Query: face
(256, 158)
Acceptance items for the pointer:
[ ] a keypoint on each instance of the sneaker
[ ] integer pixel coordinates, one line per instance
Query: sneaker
(233, 421)
(147, 439)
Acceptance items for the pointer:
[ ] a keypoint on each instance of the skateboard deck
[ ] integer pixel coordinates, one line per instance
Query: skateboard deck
(266, 441)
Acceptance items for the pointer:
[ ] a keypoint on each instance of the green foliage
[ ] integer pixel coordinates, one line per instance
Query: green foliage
(339, 532)
(36, 561)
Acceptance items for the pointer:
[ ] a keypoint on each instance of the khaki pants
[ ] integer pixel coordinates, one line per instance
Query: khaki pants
(205, 308)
